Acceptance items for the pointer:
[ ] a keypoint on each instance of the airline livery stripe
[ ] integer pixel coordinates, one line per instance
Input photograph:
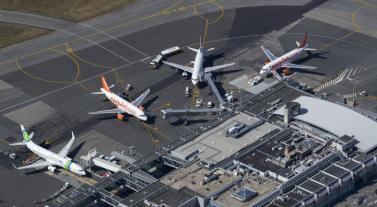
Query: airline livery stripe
(68, 165)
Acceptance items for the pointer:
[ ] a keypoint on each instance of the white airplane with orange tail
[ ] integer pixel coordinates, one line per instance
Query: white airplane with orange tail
(285, 60)
(133, 108)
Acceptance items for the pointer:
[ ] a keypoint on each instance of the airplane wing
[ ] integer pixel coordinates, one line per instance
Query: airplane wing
(217, 67)
(290, 65)
(110, 111)
(140, 99)
(182, 67)
(65, 150)
(38, 164)
(268, 53)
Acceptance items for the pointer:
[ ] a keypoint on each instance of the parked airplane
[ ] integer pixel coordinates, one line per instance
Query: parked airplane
(134, 108)
(197, 72)
(285, 60)
(50, 159)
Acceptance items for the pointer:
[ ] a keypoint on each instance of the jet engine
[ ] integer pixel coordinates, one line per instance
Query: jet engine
(184, 75)
(51, 168)
(286, 72)
(120, 116)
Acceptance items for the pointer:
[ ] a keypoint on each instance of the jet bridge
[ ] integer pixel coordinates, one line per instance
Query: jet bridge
(166, 113)
(209, 79)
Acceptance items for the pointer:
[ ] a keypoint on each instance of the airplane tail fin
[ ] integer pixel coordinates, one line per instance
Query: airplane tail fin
(104, 83)
(303, 41)
(105, 86)
(26, 137)
(200, 45)
(18, 144)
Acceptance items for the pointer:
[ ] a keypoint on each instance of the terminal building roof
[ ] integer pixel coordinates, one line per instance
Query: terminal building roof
(338, 120)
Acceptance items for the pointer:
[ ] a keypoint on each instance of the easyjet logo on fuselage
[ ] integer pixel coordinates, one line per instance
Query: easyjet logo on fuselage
(121, 104)
(285, 59)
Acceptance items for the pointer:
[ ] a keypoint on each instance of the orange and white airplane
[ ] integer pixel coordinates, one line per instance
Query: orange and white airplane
(133, 108)
(285, 60)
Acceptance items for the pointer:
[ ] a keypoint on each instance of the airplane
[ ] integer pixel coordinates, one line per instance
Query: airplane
(134, 108)
(198, 71)
(285, 60)
(50, 159)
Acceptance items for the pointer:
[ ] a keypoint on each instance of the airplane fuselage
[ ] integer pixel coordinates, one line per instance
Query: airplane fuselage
(125, 106)
(55, 159)
(197, 72)
(280, 61)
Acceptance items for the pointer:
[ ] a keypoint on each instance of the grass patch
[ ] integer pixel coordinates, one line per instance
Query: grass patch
(74, 10)
(14, 33)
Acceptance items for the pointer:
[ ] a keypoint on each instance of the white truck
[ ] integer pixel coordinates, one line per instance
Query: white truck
(170, 51)
(256, 80)
(199, 102)
(156, 62)
(187, 92)
(230, 98)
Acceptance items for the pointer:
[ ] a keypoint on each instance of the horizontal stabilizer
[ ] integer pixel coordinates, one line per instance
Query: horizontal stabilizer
(298, 43)
(310, 49)
(193, 49)
(102, 93)
(17, 144)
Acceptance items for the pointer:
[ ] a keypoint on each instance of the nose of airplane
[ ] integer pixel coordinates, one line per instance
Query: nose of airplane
(194, 82)
(263, 71)
(78, 169)
(143, 117)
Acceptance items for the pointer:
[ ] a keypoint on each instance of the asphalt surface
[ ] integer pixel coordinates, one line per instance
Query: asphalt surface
(64, 82)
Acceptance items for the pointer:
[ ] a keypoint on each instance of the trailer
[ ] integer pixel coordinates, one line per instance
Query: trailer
(156, 62)
(171, 51)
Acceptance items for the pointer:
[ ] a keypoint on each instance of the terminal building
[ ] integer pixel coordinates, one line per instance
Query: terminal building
(337, 120)
(309, 152)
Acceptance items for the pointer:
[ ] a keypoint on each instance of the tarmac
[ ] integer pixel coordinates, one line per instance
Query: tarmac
(58, 80)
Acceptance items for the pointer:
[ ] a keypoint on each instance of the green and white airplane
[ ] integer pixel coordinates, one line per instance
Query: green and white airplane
(50, 159)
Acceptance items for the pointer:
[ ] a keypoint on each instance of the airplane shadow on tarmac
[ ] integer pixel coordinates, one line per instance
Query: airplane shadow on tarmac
(310, 55)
